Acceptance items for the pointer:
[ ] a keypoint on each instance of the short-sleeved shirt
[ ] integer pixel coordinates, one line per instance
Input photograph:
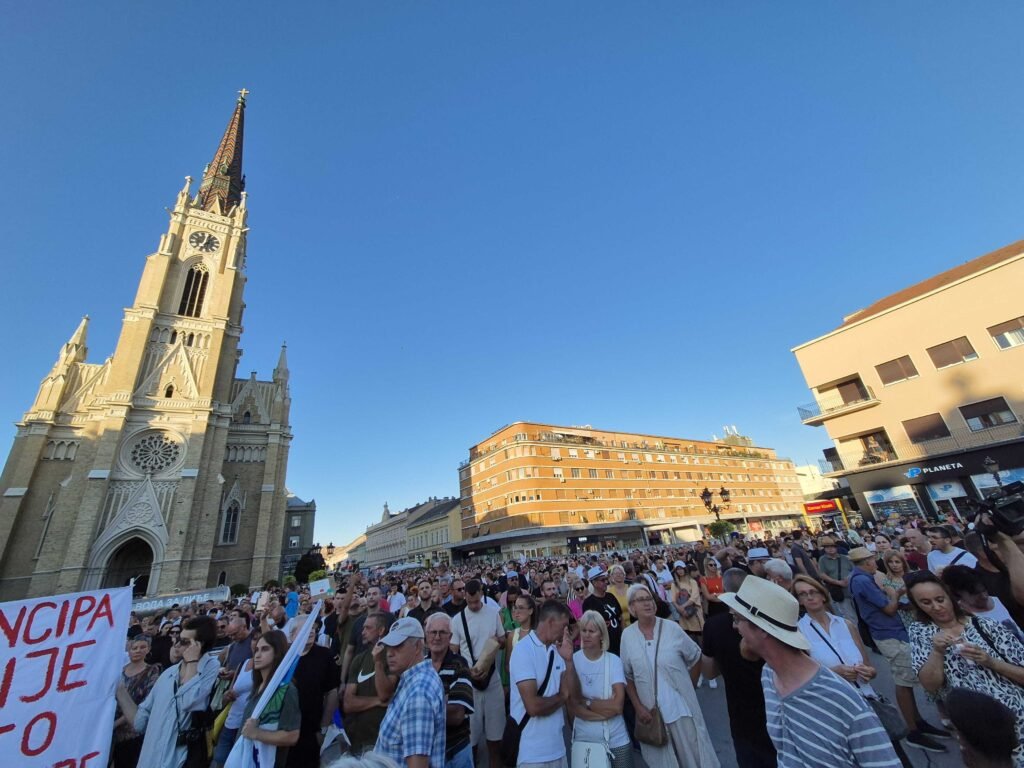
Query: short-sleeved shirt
(939, 560)
(541, 740)
(744, 698)
(362, 727)
(421, 614)
(593, 686)
(870, 602)
(454, 674)
(825, 722)
(415, 720)
(291, 605)
(609, 607)
(483, 624)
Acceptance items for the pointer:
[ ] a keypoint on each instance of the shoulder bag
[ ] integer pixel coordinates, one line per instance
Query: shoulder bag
(514, 731)
(653, 733)
(594, 754)
(480, 685)
(890, 717)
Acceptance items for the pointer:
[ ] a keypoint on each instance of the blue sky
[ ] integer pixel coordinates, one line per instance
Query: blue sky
(467, 214)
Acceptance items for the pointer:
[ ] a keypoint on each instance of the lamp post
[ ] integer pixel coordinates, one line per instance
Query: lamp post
(992, 467)
(707, 496)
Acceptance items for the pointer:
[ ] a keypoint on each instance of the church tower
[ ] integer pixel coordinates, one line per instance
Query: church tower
(157, 464)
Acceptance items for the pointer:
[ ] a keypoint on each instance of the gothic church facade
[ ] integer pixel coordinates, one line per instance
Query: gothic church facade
(157, 466)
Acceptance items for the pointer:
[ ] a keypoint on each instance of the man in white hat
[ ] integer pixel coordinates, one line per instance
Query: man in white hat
(413, 730)
(803, 699)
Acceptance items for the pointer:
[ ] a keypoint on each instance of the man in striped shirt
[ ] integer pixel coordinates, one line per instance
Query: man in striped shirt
(814, 717)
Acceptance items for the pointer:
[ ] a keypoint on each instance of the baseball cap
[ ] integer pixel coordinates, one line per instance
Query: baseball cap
(511, 575)
(678, 564)
(402, 630)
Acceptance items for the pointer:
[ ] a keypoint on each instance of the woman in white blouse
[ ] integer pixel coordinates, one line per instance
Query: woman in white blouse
(656, 649)
(601, 693)
(835, 642)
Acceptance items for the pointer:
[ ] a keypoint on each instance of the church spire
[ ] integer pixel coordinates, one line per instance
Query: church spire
(75, 350)
(223, 182)
(281, 372)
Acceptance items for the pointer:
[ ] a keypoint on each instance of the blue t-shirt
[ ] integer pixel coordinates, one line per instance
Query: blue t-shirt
(870, 602)
(291, 606)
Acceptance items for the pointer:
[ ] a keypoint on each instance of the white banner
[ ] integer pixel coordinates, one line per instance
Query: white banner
(251, 754)
(61, 661)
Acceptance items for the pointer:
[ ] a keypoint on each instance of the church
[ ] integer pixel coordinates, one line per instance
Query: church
(157, 467)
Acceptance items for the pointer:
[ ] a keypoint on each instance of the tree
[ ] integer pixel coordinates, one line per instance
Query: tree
(237, 590)
(317, 575)
(720, 529)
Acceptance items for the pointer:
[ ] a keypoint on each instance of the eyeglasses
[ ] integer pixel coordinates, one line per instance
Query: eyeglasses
(642, 600)
(804, 594)
(438, 632)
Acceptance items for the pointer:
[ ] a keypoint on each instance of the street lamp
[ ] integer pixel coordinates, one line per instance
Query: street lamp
(707, 497)
(330, 549)
(992, 467)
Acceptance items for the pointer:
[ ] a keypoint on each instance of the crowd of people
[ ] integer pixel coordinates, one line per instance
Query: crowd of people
(591, 658)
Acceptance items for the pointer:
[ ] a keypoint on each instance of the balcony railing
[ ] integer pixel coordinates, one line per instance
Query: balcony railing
(851, 459)
(833, 404)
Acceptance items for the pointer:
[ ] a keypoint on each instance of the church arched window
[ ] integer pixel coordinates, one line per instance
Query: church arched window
(169, 392)
(195, 291)
(229, 525)
(247, 417)
(222, 579)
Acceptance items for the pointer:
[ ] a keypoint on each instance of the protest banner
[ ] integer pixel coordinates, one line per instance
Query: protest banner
(320, 588)
(61, 661)
(183, 599)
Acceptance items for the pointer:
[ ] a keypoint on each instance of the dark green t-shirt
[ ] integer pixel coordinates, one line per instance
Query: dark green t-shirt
(362, 727)
(283, 709)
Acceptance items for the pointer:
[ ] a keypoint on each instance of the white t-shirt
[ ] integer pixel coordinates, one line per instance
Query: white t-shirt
(592, 686)
(542, 739)
(999, 613)
(483, 624)
(939, 560)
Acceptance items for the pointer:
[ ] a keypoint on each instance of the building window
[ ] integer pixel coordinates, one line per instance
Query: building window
(573, 453)
(952, 353)
(925, 428)
(229, 525)
(987, 414)
(195, 291)
(557, 471)
(293, 542)
(575, 472)
(296, 521)
(900, 369)
(593, 473)
(1010, 334)
(222, 579)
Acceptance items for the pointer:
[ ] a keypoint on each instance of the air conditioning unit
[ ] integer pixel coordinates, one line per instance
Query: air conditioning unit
(561, 479)
(556, 458)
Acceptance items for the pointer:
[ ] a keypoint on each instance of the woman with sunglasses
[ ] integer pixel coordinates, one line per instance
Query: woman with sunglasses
(711, 587)
(579, 593)
(950, 649)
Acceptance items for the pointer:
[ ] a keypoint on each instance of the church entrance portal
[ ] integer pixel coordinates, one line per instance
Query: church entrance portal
(133, 559)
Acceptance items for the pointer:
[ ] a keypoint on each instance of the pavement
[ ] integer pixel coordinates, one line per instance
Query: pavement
(712, 703)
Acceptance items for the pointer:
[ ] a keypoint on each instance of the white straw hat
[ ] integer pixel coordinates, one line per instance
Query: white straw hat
(769, 607)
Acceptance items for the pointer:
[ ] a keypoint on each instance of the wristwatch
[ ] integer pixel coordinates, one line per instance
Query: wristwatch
(587, 703)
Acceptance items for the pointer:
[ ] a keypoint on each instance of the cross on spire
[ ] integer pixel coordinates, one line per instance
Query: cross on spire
(242, 94)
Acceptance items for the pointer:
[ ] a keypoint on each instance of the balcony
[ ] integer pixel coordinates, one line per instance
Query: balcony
(833, 403)
(850, 459)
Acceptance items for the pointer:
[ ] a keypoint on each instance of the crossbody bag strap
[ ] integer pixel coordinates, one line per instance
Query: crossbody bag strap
(540, 691)
(607, 695)
(987, 638)
(814, 626)
(657, 645)
(469, 642)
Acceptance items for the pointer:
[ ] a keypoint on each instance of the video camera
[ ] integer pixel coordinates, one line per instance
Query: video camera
(1005, 509)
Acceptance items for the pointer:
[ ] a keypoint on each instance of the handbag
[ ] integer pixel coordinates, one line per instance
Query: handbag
(480, 685)
(890, 717)
(513, 732)
(594, 754)
(653, 733)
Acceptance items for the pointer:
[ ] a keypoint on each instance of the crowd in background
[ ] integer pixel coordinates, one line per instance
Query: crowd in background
(593, 656)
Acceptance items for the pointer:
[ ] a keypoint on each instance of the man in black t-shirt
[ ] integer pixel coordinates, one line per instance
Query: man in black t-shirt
(744, 696)
(607, 605)
(316, 676)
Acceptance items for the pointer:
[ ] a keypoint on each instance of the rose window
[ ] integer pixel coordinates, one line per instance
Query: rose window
(155, 453)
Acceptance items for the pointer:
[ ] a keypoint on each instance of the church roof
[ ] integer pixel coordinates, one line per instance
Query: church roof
(223, 181)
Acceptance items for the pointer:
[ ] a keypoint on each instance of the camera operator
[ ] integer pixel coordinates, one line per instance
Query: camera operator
(998, 524)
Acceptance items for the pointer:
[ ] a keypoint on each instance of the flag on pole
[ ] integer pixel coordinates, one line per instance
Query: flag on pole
(255, 754)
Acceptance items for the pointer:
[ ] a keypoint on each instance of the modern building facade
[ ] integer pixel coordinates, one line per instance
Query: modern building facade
(297, 538)
(157, 466)
(919, 388)
(539, 489)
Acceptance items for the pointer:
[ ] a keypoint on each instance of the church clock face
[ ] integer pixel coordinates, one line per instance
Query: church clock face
(204, 241)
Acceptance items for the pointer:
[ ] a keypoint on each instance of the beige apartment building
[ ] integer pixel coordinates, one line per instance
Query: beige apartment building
(919, 388)
(539, 489)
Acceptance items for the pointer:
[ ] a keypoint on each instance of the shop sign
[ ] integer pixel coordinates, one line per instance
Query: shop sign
(945, 491)
(820, 507)
(882, 495)
(919, 471)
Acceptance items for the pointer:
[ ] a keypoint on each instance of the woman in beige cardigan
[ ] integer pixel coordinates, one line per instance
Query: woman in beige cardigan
(688, 740)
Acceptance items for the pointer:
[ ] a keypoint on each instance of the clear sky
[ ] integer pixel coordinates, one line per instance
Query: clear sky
(467, 214)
